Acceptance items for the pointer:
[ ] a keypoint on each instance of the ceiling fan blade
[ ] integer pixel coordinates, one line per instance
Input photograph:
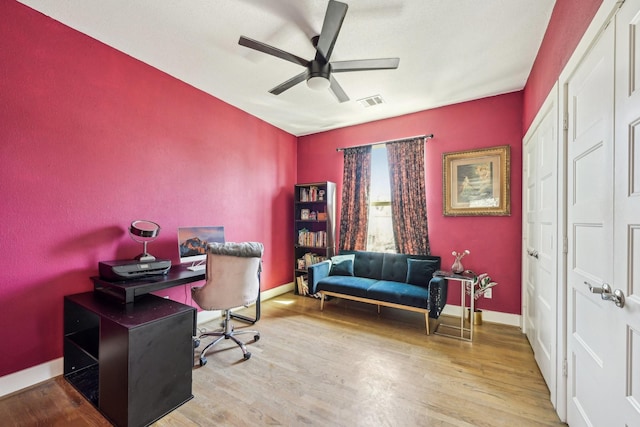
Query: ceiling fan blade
(270, 50)
(336, 12)
(365, 64)
(289, 83)
(337, 90)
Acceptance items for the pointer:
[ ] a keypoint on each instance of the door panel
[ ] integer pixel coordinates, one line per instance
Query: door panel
(590, 94)
(530, 154)
(540, 243)
(627, 214)
(589, 166)
(546, 261)
(590, 261)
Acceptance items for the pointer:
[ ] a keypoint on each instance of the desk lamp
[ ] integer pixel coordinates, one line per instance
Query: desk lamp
(143, 231)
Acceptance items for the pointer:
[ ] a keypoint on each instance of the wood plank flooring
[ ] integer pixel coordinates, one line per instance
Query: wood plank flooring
(345, 366)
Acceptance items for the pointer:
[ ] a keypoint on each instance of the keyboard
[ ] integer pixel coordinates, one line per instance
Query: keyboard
(198, 267)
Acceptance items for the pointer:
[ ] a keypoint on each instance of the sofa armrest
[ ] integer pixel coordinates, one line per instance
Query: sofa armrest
(438, 287)
(317, 272)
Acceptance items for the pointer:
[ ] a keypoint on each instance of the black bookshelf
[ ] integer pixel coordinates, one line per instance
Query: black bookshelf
(314, 226)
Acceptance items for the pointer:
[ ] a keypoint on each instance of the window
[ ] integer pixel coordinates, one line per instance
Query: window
(380, 228)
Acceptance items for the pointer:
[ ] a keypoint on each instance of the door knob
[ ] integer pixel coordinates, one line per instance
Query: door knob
(616, 296)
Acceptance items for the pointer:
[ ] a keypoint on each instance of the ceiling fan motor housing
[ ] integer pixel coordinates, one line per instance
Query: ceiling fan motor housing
(319, 69)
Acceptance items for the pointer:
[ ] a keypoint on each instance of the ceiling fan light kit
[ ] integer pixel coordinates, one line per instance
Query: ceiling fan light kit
(318, 83)
(318, 70)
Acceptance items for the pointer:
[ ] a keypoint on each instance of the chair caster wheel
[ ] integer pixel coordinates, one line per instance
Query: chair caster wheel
(203, 361)
(256, 337)
(247, 356)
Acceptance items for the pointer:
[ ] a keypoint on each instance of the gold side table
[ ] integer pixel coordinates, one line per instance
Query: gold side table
(466, 281)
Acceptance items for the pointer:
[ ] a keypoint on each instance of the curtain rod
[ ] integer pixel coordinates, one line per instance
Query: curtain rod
(426, 137)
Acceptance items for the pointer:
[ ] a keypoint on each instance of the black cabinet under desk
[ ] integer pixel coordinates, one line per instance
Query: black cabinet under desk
(132, 361)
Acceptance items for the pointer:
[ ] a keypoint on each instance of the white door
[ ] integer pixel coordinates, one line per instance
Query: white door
(590, 166)
(540, 241)
(530, 216)
(626, 252)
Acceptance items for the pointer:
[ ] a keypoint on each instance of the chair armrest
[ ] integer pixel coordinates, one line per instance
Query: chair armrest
(438, 287)
(317, 272)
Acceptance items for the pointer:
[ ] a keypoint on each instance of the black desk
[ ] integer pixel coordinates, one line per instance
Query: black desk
(127, 290)
(132, 361)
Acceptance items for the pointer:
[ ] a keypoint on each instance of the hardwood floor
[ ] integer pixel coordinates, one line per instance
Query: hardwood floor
(346, 366)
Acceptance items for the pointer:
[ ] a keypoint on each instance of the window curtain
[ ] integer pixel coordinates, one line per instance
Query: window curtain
(354, 213)
(408, 201)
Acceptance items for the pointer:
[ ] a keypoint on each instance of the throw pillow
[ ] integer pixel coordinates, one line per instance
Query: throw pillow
(420, 271)
(342, 265)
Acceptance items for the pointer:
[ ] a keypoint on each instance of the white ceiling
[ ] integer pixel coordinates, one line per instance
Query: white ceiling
(450, 50)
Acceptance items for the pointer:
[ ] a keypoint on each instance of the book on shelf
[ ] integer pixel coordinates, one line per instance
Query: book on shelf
(303, 285)
(311, 194)
(309, 259)
(314, 239)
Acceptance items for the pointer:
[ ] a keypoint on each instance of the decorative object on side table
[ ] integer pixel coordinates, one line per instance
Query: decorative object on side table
(477, 288)
(457, 267)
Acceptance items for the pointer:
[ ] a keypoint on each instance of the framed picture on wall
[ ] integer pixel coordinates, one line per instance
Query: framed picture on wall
(476, 182)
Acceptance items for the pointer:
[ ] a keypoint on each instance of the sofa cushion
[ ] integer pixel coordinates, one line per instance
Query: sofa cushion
(394, 267)
(356, 286)
(368, 264)
(420, 271)
(399, 293)
(342, 265)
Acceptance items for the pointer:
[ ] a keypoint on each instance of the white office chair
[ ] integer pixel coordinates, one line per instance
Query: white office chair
(232, 280)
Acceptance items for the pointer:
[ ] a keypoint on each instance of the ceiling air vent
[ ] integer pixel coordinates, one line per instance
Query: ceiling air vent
(371, 101)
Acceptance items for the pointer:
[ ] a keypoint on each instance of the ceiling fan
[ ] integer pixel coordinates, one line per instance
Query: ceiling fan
(318, 73)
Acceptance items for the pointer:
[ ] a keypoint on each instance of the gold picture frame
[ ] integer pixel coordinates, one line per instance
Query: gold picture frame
(476, 182)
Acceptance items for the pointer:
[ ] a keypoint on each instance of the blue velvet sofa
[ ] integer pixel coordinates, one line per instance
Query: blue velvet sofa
(393, 280)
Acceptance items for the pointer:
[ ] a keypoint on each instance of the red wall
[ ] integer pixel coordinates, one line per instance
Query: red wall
(569, 20)
(494, 242)
(92, 139)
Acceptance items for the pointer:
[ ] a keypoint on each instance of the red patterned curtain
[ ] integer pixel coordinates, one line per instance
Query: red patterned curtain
(408, 201)
(354, 213)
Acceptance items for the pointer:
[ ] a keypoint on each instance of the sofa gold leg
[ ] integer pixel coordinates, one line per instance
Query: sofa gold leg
(321, 301)
(378, 309)
(426, 318)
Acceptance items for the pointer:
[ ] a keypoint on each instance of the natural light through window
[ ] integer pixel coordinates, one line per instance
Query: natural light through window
(380, 230)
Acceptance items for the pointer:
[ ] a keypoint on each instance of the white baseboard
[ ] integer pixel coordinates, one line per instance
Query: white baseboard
(36, 374)
(30, 376)
(487, 316)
